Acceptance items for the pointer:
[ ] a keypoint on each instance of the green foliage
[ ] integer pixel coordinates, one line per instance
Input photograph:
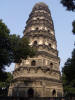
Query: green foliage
(13, 48)
(4, 45)
(20, 48)
(6, 81)
(68, 75)
(4, 84)
(70, 4)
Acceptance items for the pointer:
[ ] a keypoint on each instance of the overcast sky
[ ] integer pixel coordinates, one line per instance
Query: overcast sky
(14, 14)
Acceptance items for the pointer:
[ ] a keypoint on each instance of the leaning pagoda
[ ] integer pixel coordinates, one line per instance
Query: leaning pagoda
(39, 76)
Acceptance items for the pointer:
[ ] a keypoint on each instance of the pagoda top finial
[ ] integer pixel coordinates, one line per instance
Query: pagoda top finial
(40, 5)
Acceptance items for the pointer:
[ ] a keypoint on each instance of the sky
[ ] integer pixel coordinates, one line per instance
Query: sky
(15, 13)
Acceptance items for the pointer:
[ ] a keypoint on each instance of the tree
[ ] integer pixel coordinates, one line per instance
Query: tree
(68, 71)
(20, 48)
(4, 84)
(4, 47)
(13, 49)
(70, 5)
(68, 75)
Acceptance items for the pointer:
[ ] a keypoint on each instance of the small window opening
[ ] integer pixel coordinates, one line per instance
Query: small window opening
(49, 45)
(35, 43)
(37, 18)
(33, 63)
(51, 64)
(37, 28)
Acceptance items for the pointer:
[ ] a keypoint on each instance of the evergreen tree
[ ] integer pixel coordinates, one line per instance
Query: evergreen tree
(70, 5)
(68, 75)
(4, 84)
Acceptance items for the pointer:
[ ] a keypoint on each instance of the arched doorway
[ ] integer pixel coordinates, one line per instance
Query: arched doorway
(30, 92)
(54, 92)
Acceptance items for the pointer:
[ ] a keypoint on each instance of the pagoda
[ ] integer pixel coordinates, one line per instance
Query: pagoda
(39, 76)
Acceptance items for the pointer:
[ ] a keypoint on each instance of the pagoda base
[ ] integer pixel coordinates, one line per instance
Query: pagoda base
(35, 88)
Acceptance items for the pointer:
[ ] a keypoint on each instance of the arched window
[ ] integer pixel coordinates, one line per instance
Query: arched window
(49, 45)
(37, 28)
(54, 92)
(33, 63)
(35, 43)
(51, 65)
(37, 18)
(30, 92)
